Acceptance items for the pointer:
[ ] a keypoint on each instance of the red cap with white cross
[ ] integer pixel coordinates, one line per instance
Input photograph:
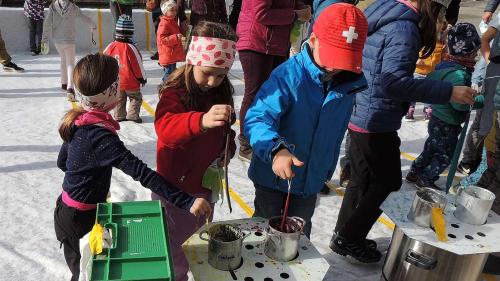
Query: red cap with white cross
(341, 29)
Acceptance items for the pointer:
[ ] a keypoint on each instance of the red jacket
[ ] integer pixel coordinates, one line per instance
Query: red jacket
(132, 73)
(264, 26)
(169, 45)
(183, 151)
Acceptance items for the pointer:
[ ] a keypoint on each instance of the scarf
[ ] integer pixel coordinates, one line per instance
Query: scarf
(469, 63)
(98, 118)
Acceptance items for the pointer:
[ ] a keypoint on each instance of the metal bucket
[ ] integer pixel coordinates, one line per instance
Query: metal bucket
(411, 260)
(224, 246)
(473, 204)
(283, 246)
(424, 201)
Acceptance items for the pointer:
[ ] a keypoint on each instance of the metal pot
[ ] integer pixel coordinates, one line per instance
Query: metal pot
(224, 246)
(424, 201)
(473, 204)
(411, 260)
(283, 246)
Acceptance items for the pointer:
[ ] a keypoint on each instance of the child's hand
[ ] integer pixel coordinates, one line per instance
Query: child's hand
(282, 164)
(463, 95)
(200, 207)
(216, 116)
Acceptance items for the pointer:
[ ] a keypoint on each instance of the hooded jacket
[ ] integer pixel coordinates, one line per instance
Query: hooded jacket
(295, 108)
(169, 45)
(389, 60)
(60, 24)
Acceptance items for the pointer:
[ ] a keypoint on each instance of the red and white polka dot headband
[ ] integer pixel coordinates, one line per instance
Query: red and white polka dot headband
(214, 52)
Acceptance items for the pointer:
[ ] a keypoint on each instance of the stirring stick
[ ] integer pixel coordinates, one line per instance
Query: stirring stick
(285, 211)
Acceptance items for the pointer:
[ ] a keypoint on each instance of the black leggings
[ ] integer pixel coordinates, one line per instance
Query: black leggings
(71, 225)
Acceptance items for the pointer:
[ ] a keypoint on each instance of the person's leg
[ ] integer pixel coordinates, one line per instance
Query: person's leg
(39, 32)
(120, 111)
(181, 225)
(452, 12)
(345, 162)
(70, 63)
(473, 148)
(411, 111)
(303, 208)
(64, 73)
(490, 175)
(425, 157)
(256, 70)
(32, 32)
(134, 107)
(268, 203)
(4, 56)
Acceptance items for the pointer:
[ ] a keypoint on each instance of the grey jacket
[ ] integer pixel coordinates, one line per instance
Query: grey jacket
(60, 23)
(491, 6)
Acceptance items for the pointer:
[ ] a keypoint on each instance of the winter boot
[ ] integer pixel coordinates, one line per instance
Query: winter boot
(427, 113)
(409, 115)
(12, 67)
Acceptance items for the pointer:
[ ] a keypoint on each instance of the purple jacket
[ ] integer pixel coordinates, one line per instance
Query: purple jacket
(264, 26)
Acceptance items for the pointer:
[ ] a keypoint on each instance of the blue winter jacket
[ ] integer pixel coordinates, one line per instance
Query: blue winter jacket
(389, 60)
(296, 109)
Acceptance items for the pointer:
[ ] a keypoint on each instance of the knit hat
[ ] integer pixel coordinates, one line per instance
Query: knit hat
(445, 3)
(167, 6)
(463, 39)
(341, 29)
(124, 28)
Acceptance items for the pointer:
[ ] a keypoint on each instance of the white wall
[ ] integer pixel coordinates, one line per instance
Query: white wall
(14, 28)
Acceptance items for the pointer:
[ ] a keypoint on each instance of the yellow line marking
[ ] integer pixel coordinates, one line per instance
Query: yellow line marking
(408, 156)
(148, 108)
(240, 202)
(99, 29)
(381, 219)
(488, 277)
(146, 19)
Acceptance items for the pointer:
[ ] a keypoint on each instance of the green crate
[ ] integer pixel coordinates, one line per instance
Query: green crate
(140, 250)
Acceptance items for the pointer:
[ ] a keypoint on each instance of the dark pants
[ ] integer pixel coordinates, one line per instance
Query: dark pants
(345, 160)
(235, 13)
(257, 68)
(375, 173)
(491, 177)
(269, 203)
(156, 14)
(453, 11)
(438, 150)
(36, 30)
(71, 225)
(474, 143)
(118, 9)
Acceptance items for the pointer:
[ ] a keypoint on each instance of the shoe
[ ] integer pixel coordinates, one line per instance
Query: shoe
(427, 113)
(409, 114)
(412, 177)
(359, 251)
(64, 86)
(421, 184)
(70, 94)
(467, 168)
(155, 56)
(12, 67)
(120, 119)
(345, 175)
(245, 156)
(33, 53)
(325, 190)
(368, 242)
(138, 120)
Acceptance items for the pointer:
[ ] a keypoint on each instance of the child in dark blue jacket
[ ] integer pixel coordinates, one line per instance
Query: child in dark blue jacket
(90, 150)
(300, 114)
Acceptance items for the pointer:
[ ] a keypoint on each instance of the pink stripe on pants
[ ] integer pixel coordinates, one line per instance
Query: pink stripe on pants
(181, 225)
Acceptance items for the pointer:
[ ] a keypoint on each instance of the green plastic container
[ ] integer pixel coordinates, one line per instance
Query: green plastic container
(140, 250)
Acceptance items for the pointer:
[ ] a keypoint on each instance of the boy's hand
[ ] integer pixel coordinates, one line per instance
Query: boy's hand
(463, 95)
(282, 164)
(217, 116)
(200, 207)
(304, 14)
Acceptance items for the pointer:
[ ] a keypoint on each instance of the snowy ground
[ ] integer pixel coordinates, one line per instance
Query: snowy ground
(32, 105)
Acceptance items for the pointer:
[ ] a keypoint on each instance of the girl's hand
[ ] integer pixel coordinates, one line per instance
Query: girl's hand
(487, 17)
(200, 207)
(282, 164)
(463, 95)
(217, 116)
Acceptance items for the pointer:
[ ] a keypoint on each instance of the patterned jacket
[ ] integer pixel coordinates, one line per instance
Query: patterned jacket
(33, 9)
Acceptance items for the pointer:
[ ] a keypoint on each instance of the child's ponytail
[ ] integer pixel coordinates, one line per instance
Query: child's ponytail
(68, 121)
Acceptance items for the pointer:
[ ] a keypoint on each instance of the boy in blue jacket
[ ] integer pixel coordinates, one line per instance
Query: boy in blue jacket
(299, 116)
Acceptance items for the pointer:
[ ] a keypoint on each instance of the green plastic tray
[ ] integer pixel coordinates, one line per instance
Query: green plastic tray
(140, 250)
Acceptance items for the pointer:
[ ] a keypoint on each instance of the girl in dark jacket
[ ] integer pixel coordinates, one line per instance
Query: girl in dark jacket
(397, 31)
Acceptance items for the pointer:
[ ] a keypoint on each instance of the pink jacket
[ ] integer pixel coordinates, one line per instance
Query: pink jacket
(170, 48)
(264, 26)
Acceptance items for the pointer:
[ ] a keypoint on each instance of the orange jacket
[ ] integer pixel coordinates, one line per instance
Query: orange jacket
(427, 65)
(169, 45)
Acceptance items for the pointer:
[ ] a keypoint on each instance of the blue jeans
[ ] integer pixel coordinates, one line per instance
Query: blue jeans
(438, 150)
(270, 202)
(167, 70)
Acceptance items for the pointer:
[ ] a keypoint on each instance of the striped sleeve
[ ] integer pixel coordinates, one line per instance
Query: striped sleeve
(135, 59)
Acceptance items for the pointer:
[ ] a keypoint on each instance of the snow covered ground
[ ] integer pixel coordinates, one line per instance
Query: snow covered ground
(32, 105)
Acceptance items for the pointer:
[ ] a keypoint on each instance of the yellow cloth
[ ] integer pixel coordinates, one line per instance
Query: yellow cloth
(489, 142)
(96, 239)
(439, 223)
(427, 65)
